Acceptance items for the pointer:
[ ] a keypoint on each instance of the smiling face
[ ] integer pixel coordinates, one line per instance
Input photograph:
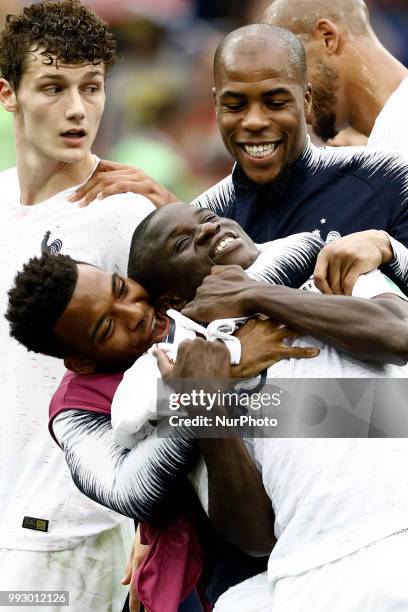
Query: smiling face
(186, 242)
(261, 107)
(110, 320)
(58, 109)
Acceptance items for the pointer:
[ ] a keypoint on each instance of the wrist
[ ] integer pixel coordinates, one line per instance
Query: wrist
(387, 253)
(254, 297)
(249, 300)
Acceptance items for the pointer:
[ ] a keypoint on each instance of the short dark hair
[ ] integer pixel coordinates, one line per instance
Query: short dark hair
(66, 31)
(283, 38)
(143, 264)
(41, 292)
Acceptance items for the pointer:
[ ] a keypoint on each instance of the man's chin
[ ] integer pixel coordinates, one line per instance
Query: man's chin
(261, 177)
(325, 127)
(71, 156)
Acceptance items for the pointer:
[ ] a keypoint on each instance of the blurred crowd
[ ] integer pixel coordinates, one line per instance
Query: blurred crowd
(159, 115)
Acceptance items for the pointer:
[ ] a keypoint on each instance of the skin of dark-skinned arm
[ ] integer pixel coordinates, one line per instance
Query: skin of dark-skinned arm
(239, 507)
(375, 329)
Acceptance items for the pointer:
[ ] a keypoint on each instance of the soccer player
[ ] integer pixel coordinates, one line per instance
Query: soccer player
(281, 183)
(87, 441)
(54, 60)
(356, 81)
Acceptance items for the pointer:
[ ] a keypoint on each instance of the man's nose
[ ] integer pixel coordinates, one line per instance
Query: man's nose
(205, 231)
(130, 313)
(255, 119)
(75, 106)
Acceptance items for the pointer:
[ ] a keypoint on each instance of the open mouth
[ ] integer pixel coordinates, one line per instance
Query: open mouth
(74, 134)
(261, 151)
(224, 244)
(160, 328)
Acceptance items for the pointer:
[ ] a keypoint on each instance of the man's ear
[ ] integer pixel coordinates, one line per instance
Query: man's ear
(329, 34)
(80, 365)
(214, 95)
(8, 98)
(308, 102)
(169, 300)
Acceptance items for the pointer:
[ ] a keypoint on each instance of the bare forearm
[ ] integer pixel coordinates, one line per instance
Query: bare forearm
(239, 507)
(372, 329)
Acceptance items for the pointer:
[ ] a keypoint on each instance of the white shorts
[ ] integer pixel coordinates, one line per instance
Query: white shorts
(91, 572)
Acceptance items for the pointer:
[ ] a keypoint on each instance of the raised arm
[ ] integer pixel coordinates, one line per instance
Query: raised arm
(343, 261)
(133, 482)
(238, 505)
(375, 329)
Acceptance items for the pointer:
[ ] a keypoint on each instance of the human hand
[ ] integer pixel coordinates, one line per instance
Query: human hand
(111, 178)
(138, 553)
(197, 360)
(262, 345)
(223, 293)
(341, 262)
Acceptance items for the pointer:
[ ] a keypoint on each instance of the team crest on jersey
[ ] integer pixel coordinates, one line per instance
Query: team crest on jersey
(53, 248)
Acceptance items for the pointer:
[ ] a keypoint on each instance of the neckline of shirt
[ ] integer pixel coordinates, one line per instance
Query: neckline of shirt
(61, 194)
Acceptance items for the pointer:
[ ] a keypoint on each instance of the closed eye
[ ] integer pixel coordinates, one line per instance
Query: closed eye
(107, 331)
(210, 217)
(123, 288)
(234, 107)
(181, 244)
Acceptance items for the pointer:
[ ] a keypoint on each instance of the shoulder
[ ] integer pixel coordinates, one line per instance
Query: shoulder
(390, 129)
(376, 167)
(218, 197)
(122, 205)
(93, 392)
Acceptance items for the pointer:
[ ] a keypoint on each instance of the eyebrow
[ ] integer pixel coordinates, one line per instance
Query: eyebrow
(197, 212)
(56, 77)
(99, 323)
(272, 92)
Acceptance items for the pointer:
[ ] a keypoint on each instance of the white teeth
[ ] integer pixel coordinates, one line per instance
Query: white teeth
(222, 244)
(262, 150)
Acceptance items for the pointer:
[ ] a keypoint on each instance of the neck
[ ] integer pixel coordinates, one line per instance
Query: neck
(41, 178)
(376, 76)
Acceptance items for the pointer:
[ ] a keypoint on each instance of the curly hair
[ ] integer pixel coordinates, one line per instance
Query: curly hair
(65, 32)
(41, 292)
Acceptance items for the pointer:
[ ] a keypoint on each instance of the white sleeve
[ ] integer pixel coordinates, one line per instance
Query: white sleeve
(135, 402)
(115, 220)
(375, 283)
(133, 482)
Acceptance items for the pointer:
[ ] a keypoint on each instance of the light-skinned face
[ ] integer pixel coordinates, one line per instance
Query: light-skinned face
(189, 241)
(261, 109)
(110, 321)
(58, 109)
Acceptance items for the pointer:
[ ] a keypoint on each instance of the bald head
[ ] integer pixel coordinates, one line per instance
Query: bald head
(301, 16)
(257, 39)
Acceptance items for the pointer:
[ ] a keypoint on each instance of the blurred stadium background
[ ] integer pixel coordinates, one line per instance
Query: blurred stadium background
(159, 113)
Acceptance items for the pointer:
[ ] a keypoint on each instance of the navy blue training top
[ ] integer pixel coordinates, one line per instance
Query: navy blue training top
(338, 190)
